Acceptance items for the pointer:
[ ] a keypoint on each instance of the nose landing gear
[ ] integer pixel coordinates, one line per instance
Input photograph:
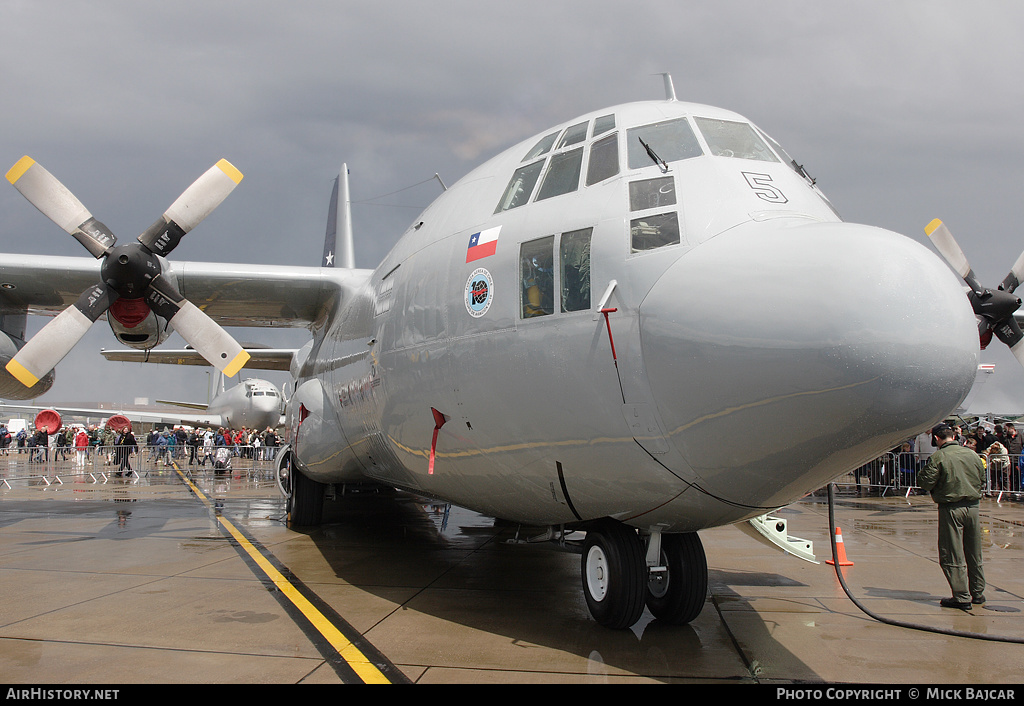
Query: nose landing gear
(618, 583)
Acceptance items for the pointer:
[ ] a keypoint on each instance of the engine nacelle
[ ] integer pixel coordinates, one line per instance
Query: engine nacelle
(135, 325)
(10, 387)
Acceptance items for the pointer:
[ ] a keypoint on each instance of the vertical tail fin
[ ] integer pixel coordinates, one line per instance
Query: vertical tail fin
(339, 222)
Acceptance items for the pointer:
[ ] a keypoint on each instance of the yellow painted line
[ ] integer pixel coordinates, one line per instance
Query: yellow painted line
(366, 670)
(352, 655)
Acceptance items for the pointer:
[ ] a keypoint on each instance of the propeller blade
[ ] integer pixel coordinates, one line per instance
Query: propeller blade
(57, 203)
(1009, 332)
(1018, 352)
(195, 203)
(1013, 279)
(210, 340)
(947, 247)
(55, 340)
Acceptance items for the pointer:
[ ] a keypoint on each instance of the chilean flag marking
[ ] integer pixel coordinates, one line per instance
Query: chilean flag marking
(483, 244)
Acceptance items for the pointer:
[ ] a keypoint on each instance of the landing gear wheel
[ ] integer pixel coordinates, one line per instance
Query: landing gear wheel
(614, 574)
(678, 595)
(305, 499)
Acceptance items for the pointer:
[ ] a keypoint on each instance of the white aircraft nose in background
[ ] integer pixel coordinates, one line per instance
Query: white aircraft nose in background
(823, 336)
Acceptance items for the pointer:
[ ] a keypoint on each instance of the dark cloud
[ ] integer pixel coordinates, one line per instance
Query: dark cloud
(903, 111)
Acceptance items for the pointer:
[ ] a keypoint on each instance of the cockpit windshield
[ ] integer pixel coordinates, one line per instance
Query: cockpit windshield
(671, 141)
(726, 138)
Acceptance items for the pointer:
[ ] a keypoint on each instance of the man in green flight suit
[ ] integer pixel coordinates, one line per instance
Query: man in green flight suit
(955, 476)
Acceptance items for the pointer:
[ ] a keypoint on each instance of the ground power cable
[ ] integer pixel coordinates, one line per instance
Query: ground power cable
(890, 621)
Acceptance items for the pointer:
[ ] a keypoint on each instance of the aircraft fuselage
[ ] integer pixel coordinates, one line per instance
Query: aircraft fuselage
(252, 404)
(649, 313)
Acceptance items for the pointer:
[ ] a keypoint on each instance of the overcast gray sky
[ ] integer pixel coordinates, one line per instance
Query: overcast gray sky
(903, 111)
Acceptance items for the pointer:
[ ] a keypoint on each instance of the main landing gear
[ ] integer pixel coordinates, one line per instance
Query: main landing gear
(304, 497)
(621, 575)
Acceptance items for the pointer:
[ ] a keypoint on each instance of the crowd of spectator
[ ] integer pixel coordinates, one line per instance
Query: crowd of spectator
(195, 446)
(1001, 450)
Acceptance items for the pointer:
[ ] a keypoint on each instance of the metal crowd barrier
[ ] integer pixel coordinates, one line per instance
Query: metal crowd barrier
(890, 473)
(49, 464)
(893, 473)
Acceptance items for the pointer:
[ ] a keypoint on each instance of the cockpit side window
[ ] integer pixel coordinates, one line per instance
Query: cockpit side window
(671, 141)
(604, 159)
(573, 135)
(652, 193)
(542, 147)
(563, 174)
(574, 260)
(798, 168)
(604, 124)
(727, 138)
(564, 163)
(520, 186)
(537, 277)
(656, 231)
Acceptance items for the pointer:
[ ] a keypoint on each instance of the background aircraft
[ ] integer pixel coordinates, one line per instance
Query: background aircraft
(569, 337)
(252, 404)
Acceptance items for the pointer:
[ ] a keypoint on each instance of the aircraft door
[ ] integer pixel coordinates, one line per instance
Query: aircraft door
(621, 324)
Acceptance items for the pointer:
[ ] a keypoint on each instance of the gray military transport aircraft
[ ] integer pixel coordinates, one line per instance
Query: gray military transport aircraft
(252, 403)
(640, 323)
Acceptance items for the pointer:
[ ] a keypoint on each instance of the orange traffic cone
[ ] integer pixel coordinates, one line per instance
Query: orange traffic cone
(840, 551)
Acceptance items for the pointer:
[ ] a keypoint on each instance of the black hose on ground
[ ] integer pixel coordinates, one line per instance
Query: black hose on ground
(890, 621)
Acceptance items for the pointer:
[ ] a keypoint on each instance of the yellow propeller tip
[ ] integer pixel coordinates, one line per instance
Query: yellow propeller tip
(235, 365)
(230, 169)
(932, 227)
(23, 376)
(19, 168)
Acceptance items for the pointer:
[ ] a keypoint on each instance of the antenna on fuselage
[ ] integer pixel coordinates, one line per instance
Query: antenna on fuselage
(670, 90)
(339, 221)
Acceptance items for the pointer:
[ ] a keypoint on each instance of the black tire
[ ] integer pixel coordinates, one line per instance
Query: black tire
(614, 574)
(306, 504)
(679, 597)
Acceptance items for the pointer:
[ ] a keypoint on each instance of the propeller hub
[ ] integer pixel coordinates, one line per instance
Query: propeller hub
(129, 269)
(994, 305)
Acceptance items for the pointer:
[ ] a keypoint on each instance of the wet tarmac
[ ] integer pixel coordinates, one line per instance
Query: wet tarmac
(153, 579)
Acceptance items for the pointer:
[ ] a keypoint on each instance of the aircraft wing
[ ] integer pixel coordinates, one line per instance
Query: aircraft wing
(230, 294)
(259, 358)
(184, 405)
(171, 418)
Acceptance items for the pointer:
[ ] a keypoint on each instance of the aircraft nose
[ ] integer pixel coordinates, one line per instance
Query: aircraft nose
(781, 356)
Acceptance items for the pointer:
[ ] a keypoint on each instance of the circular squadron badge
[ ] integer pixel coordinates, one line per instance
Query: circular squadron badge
(479, 292)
